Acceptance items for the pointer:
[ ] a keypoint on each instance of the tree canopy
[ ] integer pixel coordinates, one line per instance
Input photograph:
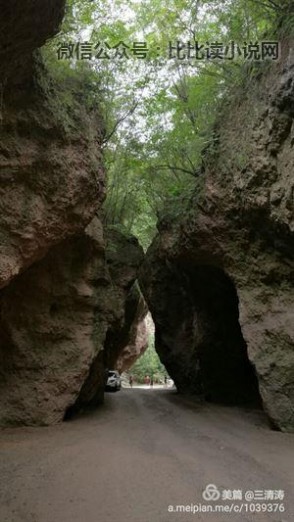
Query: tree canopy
(159, 108)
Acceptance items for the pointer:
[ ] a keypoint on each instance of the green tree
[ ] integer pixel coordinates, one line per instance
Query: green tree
(159, 113)
(149, 364)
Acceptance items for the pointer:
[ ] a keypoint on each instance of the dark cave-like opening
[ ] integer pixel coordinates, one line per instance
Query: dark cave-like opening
(200, 340)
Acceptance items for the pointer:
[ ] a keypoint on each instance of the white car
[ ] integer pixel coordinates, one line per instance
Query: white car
(113, 381)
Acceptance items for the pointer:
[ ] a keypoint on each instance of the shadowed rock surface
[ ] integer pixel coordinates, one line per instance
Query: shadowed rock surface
(117, 308)
(119, 261)
(218, 278)
(26, 27)
(136, 341)
(54, 321)
(51, 172)
(59, 294)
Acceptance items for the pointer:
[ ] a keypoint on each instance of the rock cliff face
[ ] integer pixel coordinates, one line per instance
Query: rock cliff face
(55, 320)
(218, 279)
(64, 281)
(137, 346)
(51, 174)
(123, 334)
(25, 26)
(118, 306)
(136, 341)
(47, 336)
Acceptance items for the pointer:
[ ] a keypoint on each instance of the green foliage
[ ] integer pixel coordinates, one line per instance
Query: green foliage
(159, 114)
(148, 364)
(73, 92)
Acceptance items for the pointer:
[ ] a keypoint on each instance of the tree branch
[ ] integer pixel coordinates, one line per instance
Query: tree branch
(179, 169)
(270, 5)
(119, 121)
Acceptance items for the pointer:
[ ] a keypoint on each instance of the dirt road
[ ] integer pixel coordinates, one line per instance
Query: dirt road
(143, 452)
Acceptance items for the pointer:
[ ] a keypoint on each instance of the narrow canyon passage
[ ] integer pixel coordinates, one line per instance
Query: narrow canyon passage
(143, 451)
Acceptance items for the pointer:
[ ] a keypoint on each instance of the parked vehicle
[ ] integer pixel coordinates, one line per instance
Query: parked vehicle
(113, 381)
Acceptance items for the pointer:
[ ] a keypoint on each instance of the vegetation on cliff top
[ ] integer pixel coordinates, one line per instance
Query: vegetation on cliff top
(159, 111)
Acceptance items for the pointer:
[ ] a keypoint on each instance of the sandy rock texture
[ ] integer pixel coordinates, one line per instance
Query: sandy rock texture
(126, 333)
(136, 341)
(51, 172)
(218, 278)
(64, 281)
(119, 305)
(55, 319)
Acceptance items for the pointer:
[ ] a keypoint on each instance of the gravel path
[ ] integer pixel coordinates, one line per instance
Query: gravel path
(144, 451)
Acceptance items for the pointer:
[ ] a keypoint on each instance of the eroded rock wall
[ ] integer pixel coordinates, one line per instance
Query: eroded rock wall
(118, 311)
(48, 339)
(55, 318)
(51, 173)
(121, 335)
(135, 340)
(64, 282)
(219, 280)
(25, 27)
